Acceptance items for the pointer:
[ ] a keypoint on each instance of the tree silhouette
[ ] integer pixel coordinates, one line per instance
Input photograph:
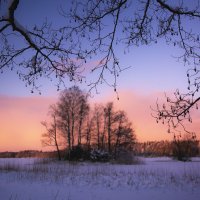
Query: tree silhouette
(99, 120)
(72, 109)
(176, 111)
(148, 22)
(123, 132)
(51, 136)
(42, 51)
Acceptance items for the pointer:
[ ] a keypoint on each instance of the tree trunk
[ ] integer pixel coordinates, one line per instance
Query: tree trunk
(56, 143)
(72, 131)
(109, 133)
(98, 132)
(79, 132)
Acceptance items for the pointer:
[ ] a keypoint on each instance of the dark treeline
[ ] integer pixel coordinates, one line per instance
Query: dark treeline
(98, 133)
(179, 149)
(154, 148)
(144, 149)
(27, 154)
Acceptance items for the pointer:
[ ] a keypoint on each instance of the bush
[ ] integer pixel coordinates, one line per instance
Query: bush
(78, 153)
(97, 155)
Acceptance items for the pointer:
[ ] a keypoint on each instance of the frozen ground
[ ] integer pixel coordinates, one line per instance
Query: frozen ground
(154, 179)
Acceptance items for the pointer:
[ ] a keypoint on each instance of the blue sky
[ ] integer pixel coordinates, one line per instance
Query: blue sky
(153, 67)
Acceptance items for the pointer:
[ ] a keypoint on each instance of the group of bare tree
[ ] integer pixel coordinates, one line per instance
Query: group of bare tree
(75, 126)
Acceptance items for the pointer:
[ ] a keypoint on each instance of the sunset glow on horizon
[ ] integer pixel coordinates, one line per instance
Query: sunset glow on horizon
(20, 118)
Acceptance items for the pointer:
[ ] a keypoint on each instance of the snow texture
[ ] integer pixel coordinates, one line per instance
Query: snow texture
(152, 179)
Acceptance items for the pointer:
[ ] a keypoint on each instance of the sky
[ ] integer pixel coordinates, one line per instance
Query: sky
(154, 70)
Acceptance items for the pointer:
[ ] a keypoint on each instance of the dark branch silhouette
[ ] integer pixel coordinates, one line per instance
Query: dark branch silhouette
(93, 31)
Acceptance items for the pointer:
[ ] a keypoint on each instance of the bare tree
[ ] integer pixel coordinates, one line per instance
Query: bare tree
(82, 113)
(89, 131)
(51, 136)
(99, 121)
(41, 51)
(176, 111)
(119, 131)
(110, 119)
(123, 133)
(72, 111)
(65, 121)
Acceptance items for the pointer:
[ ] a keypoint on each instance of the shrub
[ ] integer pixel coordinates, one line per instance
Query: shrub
(97, 155)
(78, 153)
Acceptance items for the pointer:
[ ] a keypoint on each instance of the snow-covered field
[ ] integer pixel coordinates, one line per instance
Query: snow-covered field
(153, 179)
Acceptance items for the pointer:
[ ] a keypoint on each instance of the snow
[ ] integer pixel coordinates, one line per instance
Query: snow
(153, 178)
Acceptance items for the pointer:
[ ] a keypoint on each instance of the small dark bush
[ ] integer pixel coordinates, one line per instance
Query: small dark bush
(78, 153)
(97, 155)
